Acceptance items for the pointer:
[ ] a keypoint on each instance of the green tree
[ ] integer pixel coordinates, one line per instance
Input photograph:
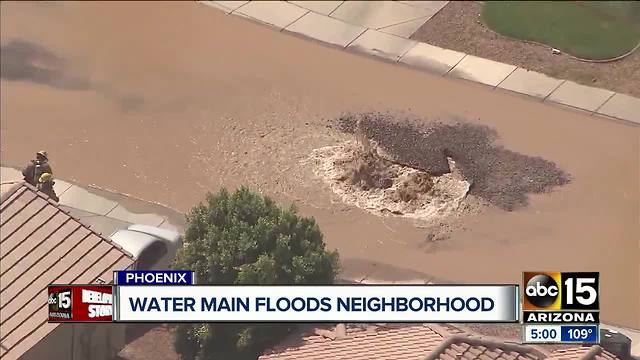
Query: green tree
(245, 238)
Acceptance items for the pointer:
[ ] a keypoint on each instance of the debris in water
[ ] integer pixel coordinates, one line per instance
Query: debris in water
(362, 176)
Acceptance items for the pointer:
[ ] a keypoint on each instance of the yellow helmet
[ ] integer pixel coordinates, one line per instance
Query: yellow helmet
(46, 177)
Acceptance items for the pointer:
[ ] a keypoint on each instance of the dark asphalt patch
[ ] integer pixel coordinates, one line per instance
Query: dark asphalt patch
(498, 175)
(26, 61)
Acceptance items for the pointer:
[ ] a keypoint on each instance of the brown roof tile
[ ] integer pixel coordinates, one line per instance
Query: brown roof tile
(411, 342)
(582, 353)
(8, 187)
(419, 342)
(460, 346)
(41, 244)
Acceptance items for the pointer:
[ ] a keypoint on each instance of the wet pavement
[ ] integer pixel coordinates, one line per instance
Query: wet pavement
(184, 101)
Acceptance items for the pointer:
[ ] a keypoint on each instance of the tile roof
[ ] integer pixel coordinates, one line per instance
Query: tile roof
(411, 342)
(400, 342)
(463, 346)
(582, 353)
(415, 342)
(42, 244)
(6, 187)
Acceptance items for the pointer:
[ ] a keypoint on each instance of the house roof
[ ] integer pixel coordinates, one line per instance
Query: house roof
(463, 346)
(400, 342)
(7, 187)
(411, 342)
(415, 342)
(582, 353)
(42, 244)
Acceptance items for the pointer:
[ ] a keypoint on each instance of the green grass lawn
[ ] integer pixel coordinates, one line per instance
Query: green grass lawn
(586, 29)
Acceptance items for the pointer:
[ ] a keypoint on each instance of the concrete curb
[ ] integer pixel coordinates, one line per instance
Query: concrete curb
(443, 62)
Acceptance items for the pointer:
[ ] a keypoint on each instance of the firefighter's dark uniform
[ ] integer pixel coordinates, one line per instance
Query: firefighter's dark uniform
(32, 172)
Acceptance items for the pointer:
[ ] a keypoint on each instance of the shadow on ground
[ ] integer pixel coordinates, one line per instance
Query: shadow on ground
(148, 342)
(499, 176)
(25, 61)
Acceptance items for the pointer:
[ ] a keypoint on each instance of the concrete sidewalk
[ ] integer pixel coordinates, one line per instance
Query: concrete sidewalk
(383, 28)
(107, 211)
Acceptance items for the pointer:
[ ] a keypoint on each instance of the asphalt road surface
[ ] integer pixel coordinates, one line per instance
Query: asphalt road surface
(170, 100)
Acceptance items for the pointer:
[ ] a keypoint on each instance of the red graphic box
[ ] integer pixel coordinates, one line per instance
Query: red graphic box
(80, 303)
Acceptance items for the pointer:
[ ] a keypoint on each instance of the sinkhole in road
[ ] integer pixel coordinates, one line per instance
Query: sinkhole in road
(497, 176)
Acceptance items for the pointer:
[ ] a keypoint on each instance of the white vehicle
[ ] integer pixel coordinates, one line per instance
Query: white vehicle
(153, 248)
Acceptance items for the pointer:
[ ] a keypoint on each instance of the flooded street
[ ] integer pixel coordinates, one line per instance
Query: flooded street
(167, 101)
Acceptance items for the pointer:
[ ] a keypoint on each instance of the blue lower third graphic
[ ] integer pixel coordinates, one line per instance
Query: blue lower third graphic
(580, 333)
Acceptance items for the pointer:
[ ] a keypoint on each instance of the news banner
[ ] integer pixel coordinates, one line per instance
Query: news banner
(556, 307)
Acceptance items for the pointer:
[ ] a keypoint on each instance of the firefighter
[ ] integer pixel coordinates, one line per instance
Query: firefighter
(37, 167)
(45, 184)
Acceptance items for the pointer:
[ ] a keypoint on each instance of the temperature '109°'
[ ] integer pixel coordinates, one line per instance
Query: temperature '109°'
(561, 334)
(580, 333)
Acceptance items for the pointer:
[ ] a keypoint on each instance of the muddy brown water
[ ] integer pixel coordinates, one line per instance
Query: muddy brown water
(182, 99)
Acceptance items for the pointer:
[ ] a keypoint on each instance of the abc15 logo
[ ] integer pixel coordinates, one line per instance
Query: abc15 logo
(561, 290)
(60, 300)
